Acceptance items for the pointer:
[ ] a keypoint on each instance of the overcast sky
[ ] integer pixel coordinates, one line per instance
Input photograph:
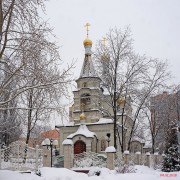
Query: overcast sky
(155, 26)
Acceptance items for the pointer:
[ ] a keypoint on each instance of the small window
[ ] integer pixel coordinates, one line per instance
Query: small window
(84, 84)
(103, 144)
(85, 99)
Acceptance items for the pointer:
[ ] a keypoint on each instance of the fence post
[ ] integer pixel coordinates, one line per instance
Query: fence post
(68, 155)
(37, 158)
(147, 163)
(0, 158)
(110, 157)
(138, 157)
(155, 160)
(46, 157)
(126, 157)
(18, 155)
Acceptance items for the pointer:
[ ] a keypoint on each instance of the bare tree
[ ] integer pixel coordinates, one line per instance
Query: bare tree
(33, 62)
(9, 123)
(20, 26)
(37, 104)
(129, 79)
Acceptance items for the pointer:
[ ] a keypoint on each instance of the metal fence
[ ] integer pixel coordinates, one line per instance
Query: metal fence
(18, 156)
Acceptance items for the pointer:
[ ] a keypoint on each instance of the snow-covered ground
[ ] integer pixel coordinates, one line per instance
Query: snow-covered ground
(142, 173)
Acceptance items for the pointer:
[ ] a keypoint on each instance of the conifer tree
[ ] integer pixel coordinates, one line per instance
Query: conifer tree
(171, 161)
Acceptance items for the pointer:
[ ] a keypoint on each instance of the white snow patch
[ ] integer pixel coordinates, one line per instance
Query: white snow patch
(126, 152)
(67, 141)
(106, 92)
(138, 152)
(110, 149)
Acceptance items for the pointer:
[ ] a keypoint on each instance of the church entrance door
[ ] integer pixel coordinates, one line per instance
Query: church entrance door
(79, 147)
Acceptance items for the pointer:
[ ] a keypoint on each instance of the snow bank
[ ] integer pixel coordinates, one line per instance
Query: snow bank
(9, 175)
(142, 173)
(61, 174)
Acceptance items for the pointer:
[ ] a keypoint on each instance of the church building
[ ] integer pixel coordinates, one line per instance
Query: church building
(89, 128)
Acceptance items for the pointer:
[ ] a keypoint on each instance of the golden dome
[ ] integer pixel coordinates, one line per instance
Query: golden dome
(87, 42)
(121, 101)
(82, 116)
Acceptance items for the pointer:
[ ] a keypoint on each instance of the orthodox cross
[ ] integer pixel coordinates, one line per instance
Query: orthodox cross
(87, 28)
(104, 41)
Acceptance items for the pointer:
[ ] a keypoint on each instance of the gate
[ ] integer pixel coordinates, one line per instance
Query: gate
(18, 156)
(79, 147)
(88, 159)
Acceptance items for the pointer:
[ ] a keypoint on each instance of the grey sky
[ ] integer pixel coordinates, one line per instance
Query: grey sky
(155, 26)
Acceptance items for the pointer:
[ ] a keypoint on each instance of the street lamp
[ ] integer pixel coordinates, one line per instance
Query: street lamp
(50, 143)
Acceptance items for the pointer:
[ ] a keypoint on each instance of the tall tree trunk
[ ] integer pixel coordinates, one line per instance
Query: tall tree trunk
(115, 105)
(29, 123)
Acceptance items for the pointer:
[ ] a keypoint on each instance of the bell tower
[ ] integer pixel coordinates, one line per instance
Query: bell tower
(87, 95)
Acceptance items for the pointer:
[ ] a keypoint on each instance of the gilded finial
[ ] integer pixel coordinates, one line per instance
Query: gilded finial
(87, 28)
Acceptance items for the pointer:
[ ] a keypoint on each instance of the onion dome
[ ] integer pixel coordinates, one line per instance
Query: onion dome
(87, 42)
(121, 101)
(82, 116)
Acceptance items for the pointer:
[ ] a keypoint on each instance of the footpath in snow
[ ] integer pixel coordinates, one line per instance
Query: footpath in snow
(142, 173)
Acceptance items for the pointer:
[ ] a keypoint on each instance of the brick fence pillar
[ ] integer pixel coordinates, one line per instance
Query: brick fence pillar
(126, 157)
(110, 151)
(147, 162)
(68, 154)
(138, 158)
(46, 157)
(155, 160)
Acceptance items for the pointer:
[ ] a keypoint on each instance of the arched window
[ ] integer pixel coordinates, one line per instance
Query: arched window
(103, 144)
(85, 101)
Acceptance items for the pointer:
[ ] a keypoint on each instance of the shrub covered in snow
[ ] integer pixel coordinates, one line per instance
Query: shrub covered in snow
(96, 171)
(125, 168)
(122, 167)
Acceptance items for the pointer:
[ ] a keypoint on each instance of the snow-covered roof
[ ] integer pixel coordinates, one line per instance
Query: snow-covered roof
(84, 131)
(91, 88)
(110, 149)
(66, 123)
(104, 121)
(67, 142)
(87, 68)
